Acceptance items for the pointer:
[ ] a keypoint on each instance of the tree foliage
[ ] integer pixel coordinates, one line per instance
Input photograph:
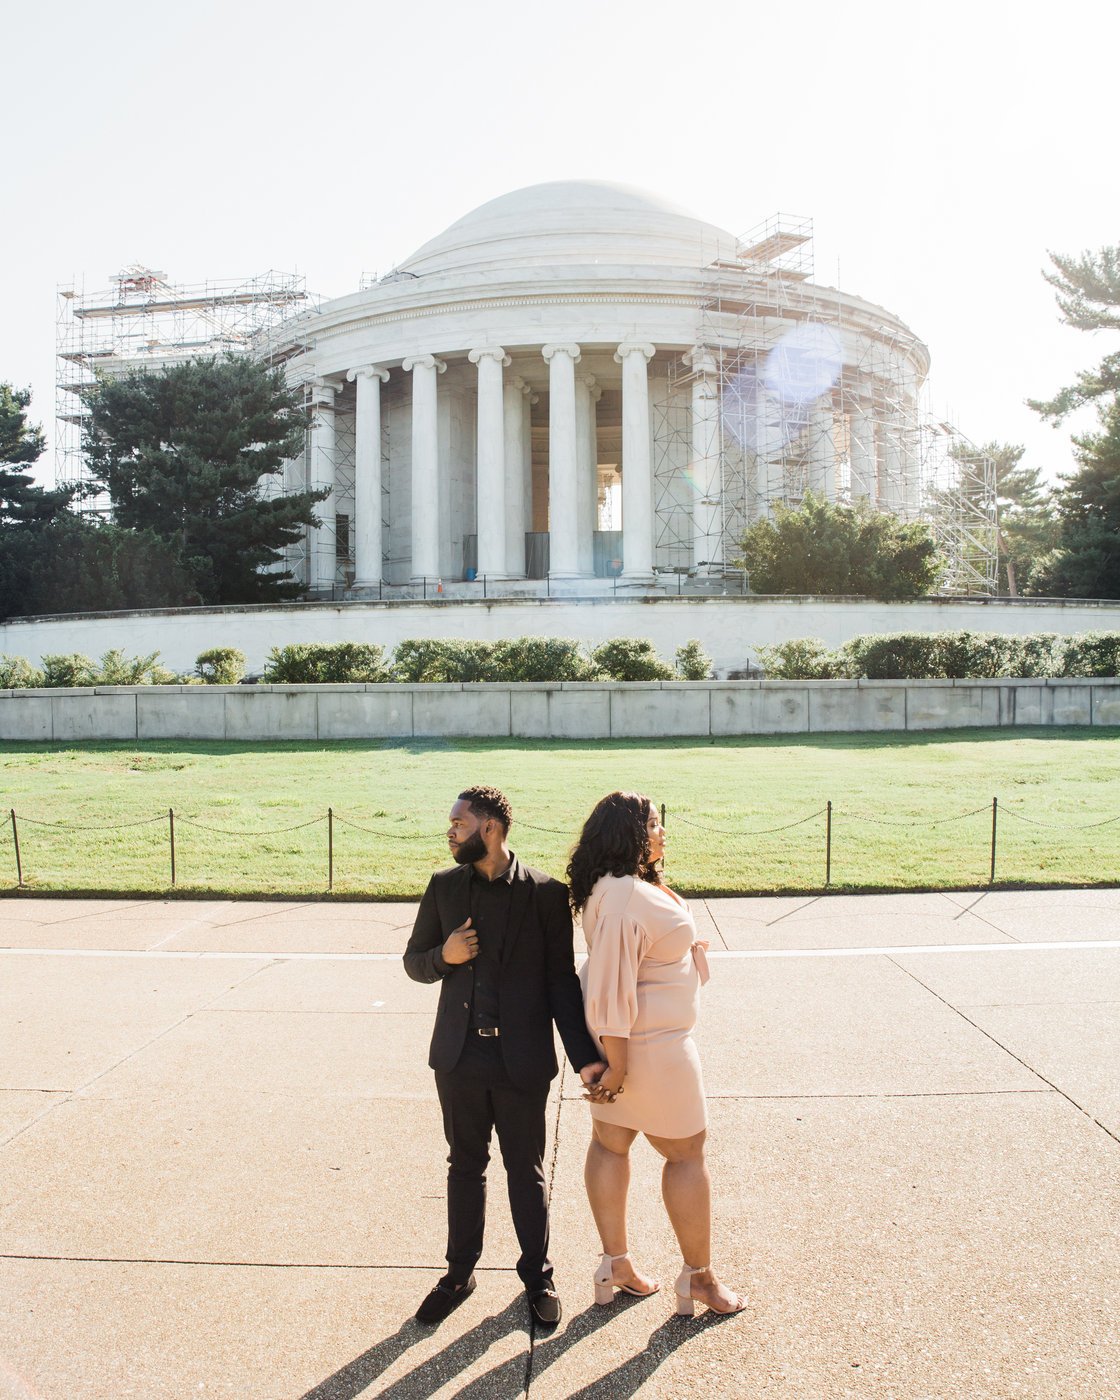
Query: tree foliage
(21, 501)
(819, 547)
(1085, 562)
(182, 454)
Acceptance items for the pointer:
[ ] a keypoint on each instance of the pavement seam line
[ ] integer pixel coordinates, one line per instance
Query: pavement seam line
(238, 1263)
(1008, 1051)
(551, 1182)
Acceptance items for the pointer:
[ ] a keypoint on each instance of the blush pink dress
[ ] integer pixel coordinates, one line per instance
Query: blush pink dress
(641, 981)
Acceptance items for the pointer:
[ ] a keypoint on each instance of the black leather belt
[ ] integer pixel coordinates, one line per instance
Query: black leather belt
(487, 1031)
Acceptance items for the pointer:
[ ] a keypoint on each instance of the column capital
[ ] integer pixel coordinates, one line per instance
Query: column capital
(367, 372)
(702, 359)
(424, 362)
(489, 352)
(572, 350)
(591, 384)
(323, 391)
(635, 347)
(520, 385)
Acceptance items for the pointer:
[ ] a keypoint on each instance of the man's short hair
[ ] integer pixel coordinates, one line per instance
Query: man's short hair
(489, 802)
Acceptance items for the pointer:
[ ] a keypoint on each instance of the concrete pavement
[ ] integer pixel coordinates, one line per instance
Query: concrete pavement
(221, 1167)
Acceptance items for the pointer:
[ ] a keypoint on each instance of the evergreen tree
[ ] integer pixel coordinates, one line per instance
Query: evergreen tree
(824, 548)
(183, 452)
(1086, 561)
(21, 501)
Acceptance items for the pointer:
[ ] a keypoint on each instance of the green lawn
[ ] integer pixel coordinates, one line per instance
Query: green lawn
(898, 805)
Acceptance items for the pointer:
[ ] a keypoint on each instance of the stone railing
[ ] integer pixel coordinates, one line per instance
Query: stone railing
(655, 709)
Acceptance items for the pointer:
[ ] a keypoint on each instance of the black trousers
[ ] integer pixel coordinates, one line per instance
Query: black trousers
(478, 1096)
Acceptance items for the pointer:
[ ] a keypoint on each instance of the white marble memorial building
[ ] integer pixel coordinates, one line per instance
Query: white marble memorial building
(579, 380)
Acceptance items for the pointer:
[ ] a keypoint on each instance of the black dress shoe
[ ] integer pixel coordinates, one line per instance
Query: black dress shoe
(545, 1306)
(444, 1298)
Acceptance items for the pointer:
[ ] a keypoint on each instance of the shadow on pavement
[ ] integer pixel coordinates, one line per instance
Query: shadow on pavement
(425, 1379)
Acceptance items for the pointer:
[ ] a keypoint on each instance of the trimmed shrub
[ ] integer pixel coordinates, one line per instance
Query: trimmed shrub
(630, 659)
(890, 656)
(115, 668)
(220, 665)
(1091, 654)
(538, 659)
(1040, 654)
(439, 660)
(326, 663)
(17, 673)
(798, 659)
(692, 662)
(69, 669)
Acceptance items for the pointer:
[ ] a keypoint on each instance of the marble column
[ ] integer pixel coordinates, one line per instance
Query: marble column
(637, 464)
(368, 556)
(863, 463)
(322, 562)
(822, 451)
(491, 501)
(707, 503)
(563, 465)
(588, 394)
(516, 410)
(425, 465)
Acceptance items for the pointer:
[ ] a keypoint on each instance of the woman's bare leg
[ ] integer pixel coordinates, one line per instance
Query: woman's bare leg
(606, 1175)
(687, 1190)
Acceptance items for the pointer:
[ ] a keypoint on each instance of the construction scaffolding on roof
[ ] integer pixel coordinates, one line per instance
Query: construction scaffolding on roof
(144, 322)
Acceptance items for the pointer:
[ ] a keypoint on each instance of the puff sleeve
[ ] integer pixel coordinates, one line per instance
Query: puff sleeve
(611, 988)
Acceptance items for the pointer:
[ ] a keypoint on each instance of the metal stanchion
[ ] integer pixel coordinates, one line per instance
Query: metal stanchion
(330, 848)
(19, 863)
(171, 832)
(828, 845)
(992, 872)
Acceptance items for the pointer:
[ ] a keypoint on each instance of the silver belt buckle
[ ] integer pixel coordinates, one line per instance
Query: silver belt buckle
(488, 1031)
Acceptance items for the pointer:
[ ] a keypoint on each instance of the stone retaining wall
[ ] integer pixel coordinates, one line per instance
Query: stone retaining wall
(555, 711)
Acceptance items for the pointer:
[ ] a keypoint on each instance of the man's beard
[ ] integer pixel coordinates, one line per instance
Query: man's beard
(469, 851)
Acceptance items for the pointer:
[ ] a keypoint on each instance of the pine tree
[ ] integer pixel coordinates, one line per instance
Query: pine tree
(183, 452)
(1086, 561)
(21, 501)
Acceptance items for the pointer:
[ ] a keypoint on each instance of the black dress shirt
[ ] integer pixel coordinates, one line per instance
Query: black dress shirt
(490, 901)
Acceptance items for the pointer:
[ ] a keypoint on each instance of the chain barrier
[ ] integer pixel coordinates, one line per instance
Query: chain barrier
(762, 831)
(331, 817)
(937, 821)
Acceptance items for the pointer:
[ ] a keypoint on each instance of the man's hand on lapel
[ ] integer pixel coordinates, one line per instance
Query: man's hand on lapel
(461, 945)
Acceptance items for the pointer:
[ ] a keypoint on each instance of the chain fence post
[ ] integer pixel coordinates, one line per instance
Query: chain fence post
(19, 863)
(828, 844)
(171, 832)
(992, 872)
(330, 848)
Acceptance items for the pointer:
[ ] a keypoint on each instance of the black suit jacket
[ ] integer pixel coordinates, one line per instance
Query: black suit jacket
(537, 981)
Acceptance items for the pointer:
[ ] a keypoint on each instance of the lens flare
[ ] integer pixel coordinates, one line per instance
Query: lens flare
(766, 405)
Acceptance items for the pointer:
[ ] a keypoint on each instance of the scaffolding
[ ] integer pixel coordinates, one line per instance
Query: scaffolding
(144, 322)
(809, 400)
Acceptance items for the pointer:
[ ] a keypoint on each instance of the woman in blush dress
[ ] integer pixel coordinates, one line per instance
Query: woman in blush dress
(641, 986)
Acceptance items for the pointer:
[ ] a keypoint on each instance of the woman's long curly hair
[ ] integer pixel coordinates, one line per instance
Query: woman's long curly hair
(614, 841)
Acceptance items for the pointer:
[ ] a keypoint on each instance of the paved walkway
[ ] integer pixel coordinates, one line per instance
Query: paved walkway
(221, 1165)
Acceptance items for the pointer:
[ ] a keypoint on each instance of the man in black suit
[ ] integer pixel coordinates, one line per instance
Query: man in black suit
(498, 936)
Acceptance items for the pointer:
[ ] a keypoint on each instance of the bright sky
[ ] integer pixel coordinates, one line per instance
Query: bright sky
(940, 149)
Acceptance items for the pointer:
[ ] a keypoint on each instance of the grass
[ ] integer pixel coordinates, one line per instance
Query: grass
(251, 818)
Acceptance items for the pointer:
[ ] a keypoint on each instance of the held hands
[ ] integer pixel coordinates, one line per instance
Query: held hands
(602, 1083)
(461, 945)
